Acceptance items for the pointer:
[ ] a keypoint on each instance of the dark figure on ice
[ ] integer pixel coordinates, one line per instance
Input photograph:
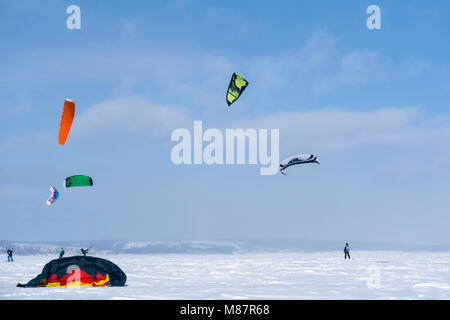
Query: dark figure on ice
(10, 257)
(347, 251)
(61, 253)
(84, 252)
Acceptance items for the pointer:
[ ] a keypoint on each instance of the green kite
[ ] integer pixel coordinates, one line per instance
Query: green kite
(236, 87)
(78, 181)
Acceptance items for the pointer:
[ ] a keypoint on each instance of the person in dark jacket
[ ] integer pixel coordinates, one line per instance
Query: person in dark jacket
(84, 251)
(346, 251)
(10, 255)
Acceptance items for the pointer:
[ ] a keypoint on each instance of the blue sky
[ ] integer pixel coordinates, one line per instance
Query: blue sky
(372, 104)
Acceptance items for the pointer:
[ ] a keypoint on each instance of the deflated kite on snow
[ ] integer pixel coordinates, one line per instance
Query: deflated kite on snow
(66, 120)
(236, 87)
(53, 196)
(78, 271)
(299, 159)
(78, 181)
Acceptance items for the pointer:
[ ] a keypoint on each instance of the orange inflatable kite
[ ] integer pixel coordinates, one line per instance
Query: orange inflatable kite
(66, 120)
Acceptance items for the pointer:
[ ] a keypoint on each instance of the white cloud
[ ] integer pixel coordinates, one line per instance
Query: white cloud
(129, 26)
(320, 67)
(134, 114)
(359, 67)
(414, 67)
(215, 15)
(326, 130)
(387, 146)
(302, 65)
(15, 105)
(187, 75)
(334, 129)
(319, 49)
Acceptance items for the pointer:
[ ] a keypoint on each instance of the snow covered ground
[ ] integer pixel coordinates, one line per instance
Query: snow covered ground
(319, 275)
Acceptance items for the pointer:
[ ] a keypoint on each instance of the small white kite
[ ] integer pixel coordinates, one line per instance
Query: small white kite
(53, 196)
(299, 159)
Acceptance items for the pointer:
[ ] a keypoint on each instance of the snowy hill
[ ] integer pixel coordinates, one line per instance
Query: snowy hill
(200, 247)
(117, 247)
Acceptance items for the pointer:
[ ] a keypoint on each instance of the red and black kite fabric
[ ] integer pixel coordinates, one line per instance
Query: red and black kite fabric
(78, 271)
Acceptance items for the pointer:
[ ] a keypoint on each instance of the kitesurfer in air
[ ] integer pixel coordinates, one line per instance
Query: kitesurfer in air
(10, 255)
(61, 253)
(346, 251)
(84, 252)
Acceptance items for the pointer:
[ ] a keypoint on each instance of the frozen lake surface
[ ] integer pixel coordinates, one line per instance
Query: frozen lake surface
(319, 275)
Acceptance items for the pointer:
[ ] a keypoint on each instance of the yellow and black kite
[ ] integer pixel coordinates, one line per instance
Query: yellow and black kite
(236, 87)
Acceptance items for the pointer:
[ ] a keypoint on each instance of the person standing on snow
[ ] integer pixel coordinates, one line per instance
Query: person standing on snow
(61, 253)
(10, 255)
(346, 251)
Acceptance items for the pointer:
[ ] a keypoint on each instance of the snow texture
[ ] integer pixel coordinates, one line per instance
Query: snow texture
(318, 275)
